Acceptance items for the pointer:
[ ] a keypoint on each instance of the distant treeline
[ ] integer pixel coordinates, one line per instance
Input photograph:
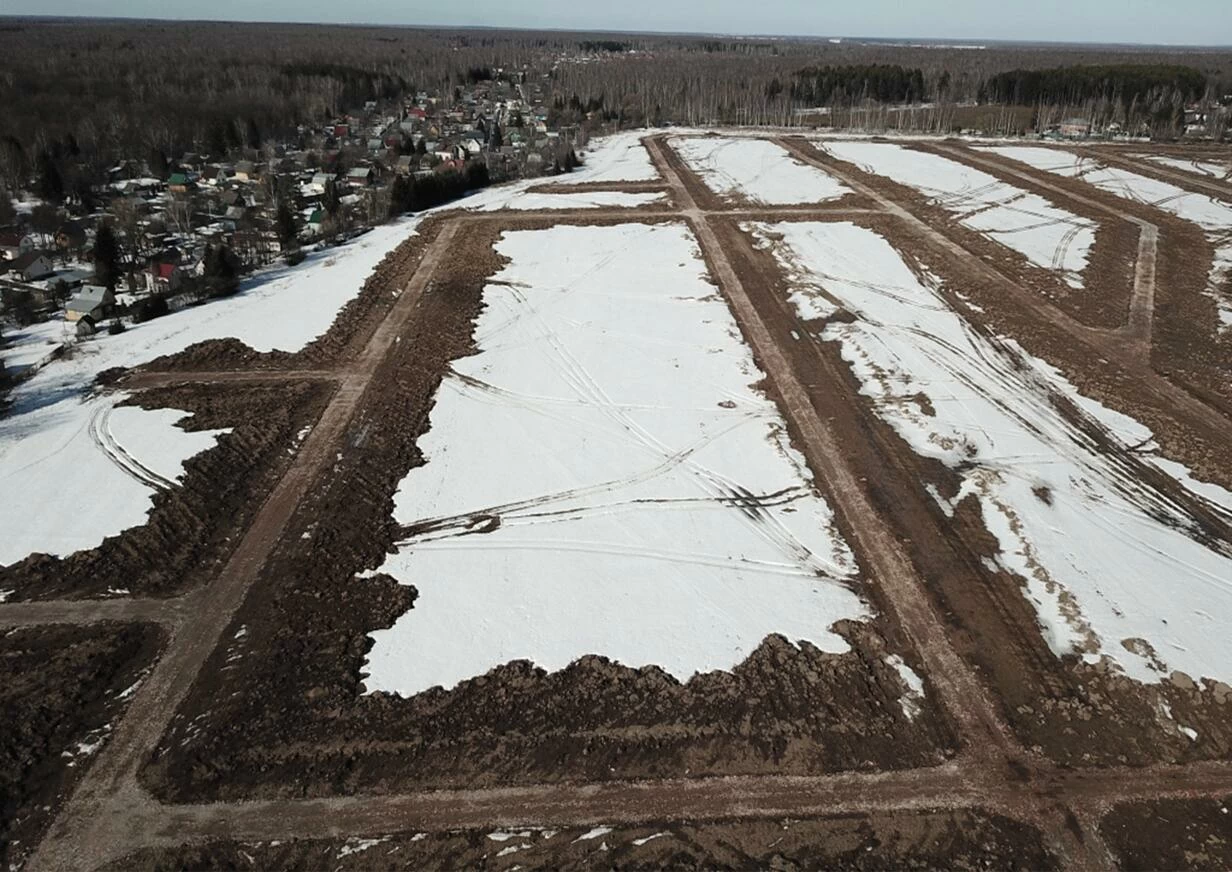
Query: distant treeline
(885, 83)
(1123, 83)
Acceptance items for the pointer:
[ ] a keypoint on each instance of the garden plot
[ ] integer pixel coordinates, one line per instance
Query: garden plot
(531, 200)
(1213, 216)
(1114, 567)
(603, 477)
(617, 158)
(79, 470)
(756, 171)
(1047, 236)
(1217, 170)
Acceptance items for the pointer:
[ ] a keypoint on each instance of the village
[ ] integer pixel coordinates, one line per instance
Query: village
(178, 231)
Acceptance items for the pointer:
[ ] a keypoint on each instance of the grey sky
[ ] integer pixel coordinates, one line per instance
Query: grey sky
(1193, 22)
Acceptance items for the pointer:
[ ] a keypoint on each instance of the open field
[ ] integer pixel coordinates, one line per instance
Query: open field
(736, 502)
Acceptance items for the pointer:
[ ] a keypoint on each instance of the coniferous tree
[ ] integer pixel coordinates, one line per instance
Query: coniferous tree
(49, 184)
(284, 222)
(221, 273)
(106, 257)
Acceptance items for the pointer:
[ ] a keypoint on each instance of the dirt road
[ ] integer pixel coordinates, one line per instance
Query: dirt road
(110, 815)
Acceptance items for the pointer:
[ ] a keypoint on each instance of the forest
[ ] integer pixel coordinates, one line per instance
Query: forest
(110, 89)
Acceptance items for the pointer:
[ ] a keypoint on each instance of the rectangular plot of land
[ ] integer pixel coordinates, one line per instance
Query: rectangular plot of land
(756, 171)
(1120, 565)
(1049, 237)
(1214, 216)
(604, 478)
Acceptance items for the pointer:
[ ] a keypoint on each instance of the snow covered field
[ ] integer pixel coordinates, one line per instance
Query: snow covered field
(79, 470)
(82, 485)
(1046, 235)
(1218, 170)
(1112, 565)
(574, 200)
(756, 171)
(602, 479)
(617, 158)
(1213, 216)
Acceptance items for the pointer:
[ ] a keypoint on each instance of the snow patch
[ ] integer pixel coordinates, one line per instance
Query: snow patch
(1114, 567)
(756, 170)
(1046, 235)
(641, 501)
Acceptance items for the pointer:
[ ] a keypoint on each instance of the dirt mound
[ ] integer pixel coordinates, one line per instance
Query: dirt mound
(192, 525)
(62, 687)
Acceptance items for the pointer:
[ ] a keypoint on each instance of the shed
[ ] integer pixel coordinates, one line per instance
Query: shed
(94, 301)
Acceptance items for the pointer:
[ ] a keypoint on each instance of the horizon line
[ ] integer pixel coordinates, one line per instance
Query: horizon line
(911, 41)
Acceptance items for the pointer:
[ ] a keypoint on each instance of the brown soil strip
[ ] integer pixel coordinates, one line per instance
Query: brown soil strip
(152, 611)
(1208, 418)
(1171, 834)
(1180, 178)
(192, 526)
(144, 379)
(960, 840)
(877, 548)
(1187, 347)
(62, 686)
(1142, 298)
(110, 781)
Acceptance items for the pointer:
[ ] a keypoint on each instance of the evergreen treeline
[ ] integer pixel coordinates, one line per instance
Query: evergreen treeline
(417, 193)
(885, 83)
(1126, 83)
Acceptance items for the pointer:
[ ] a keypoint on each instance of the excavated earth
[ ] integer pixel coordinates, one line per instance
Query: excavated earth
(286, 715)
(940, 840)
(1171, 834)
(279, 708)
(191, 527)
(62, 687)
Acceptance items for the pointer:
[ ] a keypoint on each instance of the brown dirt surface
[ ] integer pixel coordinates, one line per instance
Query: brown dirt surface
(60, 690)
(193, 525)
(964, 840)
(1103, 300)
(1073, 713)
(1187, 345)
(1171, 834)
(350, 330)
(786, 709)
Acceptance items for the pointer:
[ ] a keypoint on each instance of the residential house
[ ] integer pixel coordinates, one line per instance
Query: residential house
(93, 301)
(163, 277)
(14, 243)
(245, 171)
(405, 165)
(360, 176)
(29, 266)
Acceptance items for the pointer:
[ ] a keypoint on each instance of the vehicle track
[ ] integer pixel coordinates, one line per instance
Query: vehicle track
(110, 814)
(1142, 300)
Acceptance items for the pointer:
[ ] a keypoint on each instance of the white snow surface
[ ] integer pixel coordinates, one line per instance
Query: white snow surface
(602, 478)
(1046, 235)
(1105, 558)
(1219, 170)
(1212, 215)
(914, 695)
(80, 470)
(756, 170)
(620, 157)
(576, 200)
(24, 347)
